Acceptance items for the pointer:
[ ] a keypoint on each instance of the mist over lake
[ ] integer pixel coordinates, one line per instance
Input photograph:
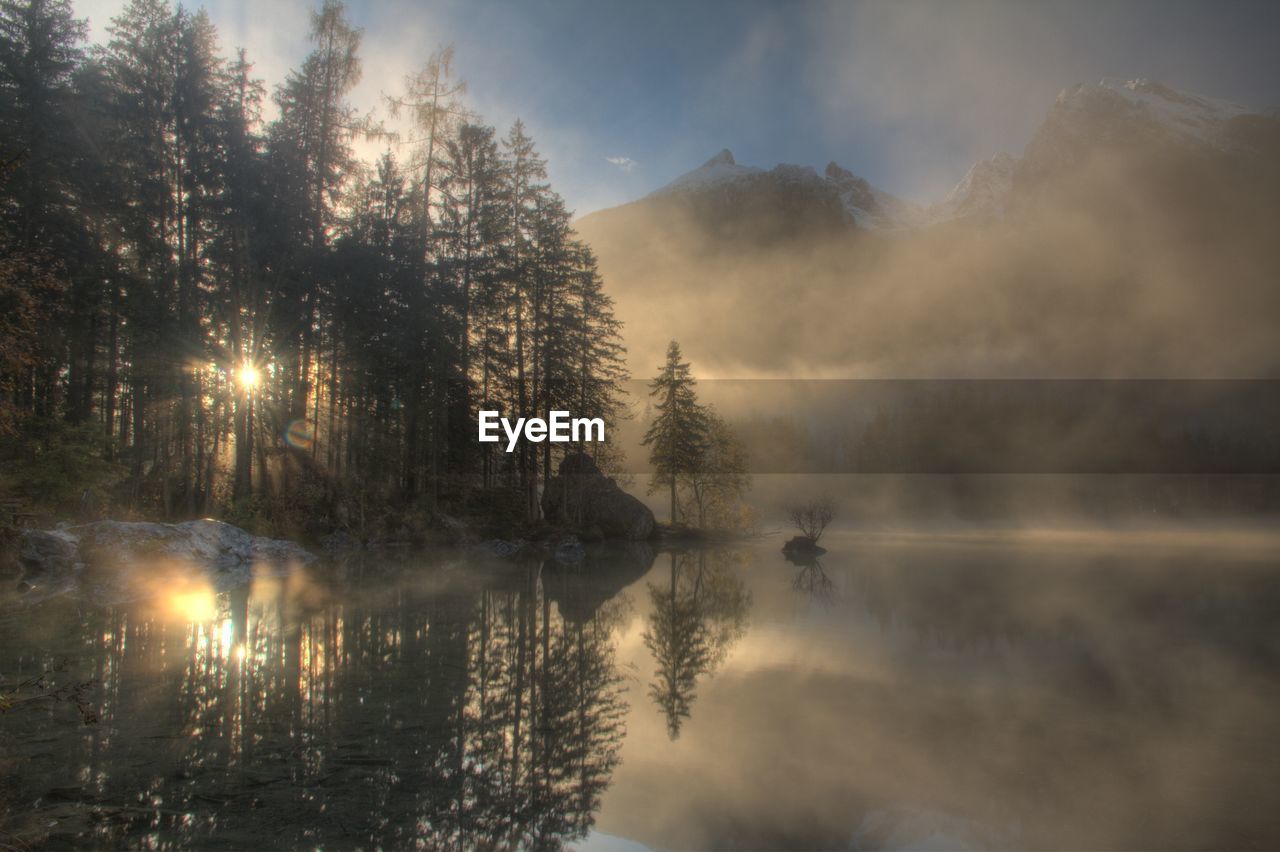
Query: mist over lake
(638, 426)
(982, 691)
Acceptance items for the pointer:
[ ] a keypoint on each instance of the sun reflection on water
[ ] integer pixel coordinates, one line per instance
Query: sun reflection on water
(195, 603)
(491, 712)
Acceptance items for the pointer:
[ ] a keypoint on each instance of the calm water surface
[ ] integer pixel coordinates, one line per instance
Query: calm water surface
(901, 693)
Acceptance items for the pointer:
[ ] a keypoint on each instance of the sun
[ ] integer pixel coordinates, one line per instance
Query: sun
(248, 375)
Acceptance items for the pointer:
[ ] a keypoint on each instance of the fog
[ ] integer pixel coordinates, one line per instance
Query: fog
(1128, 265)
(944, 85)
(978, 680)
(1132, 258)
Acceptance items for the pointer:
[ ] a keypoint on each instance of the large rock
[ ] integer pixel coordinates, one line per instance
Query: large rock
(207, 544)
(582, 497)
(47, 551)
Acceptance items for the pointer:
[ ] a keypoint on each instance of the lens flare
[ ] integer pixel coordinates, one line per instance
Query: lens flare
(298, 434)
(247, 375)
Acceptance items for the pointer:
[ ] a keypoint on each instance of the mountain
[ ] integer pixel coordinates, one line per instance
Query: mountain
(720, 171)
(983, 191)
(730, 197)
(737, 202)
(723, 188)
(869, 207)
(1134, 236)
(1135, 113)
(1082, 118)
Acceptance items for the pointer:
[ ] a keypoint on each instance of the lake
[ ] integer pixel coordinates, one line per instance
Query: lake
(903, 692)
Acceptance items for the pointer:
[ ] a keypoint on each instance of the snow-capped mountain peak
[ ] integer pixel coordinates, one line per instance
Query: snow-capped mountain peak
(1185, 114)
(721, 168)
(1137, 111)
(845, 194)
(869, 206)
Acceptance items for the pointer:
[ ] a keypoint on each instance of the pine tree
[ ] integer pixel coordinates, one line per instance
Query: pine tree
(432, 104)
(312, 147)
(39, 51)
(139, 63)
(468, 225)
(677, 437)
(595, 351)
(202, 281)
(235, 255)
(43, 230)
(525, 172)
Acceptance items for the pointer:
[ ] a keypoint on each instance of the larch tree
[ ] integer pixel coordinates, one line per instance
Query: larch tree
(432, 105)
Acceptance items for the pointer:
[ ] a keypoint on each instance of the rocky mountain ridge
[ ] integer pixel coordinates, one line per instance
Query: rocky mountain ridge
(1082, 117)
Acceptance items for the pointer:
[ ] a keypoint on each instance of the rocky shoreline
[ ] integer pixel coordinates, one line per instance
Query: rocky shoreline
(119, 552)
(582, 508)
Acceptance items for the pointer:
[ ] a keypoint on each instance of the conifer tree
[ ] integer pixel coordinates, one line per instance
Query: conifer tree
(312, 145)
(43, 238)
(251, 312)
(677, 437)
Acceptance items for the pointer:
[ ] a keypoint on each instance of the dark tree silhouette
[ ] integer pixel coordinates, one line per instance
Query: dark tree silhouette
(243, 316)
(812, 518)
(678, 436)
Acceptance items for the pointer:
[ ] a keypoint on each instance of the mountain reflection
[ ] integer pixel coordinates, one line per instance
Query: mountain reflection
(697, 615)
(311, 709)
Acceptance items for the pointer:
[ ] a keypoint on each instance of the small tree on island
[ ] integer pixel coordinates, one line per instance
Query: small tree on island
(713, 490)
(678, 435)
(812, 518)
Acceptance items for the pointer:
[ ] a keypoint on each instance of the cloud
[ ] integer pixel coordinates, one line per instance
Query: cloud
(625, 163)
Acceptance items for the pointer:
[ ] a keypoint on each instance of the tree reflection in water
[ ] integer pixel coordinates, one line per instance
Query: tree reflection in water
(811, 578)
(395, 714)
(697, 615)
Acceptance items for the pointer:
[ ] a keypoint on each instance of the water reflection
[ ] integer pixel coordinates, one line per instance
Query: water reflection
(697, 614)
(810, 577)
(895, 694)
(387, 711)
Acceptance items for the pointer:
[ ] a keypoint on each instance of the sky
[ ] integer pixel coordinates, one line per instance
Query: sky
(623, 97)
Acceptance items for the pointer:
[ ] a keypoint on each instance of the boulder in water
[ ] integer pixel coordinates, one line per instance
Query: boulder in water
(582, 497)
(47, 551)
